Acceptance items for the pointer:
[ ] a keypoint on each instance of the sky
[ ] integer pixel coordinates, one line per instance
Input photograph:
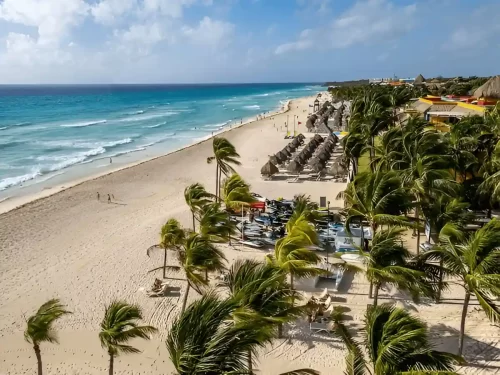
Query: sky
(219, 41)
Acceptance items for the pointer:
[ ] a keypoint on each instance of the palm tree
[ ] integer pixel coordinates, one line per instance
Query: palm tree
(397, 343)
(236, 193)
(377, 198)
(171, 237)
(262, 295)
(196, 198)
(119, 326)
(475, 261)
(204, 340)
(293, 253)
(224, 155)
(215, 223)
(198, 254)
(388, 261)
(302, 206)
(40, 327)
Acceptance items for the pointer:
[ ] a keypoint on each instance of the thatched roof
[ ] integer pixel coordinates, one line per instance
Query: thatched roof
(269, 169)
(324, 156)
(419, 80)
(295, 142)
(295, 167)
(314, 161)
(337, 169)
(318, 167)
(318, 138)
(281, 156)
(491, 89)
(286, 152)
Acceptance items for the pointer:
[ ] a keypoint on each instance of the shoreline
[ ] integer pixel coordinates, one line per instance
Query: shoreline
(9, 204)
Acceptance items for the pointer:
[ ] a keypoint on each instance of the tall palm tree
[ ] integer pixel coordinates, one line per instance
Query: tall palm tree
(224, 155)
(40, 327)
(196, 198)
(171, 237)
(303, 207)
(197, 255)
(397, 343)
(215, 223)
(376, 198)
(262, 295)
(475, 261)
(388, 261)
(119, 326)
(236, 193)
(204, 340)
(293, 253)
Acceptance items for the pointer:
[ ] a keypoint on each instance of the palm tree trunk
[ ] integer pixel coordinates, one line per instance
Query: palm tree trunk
(165, 264)
(462, 323)
(291, 281)
(440, 282)
(375, 296)
(220, 177)
(417, 217)
(184, 302)
(250, 367)
(206, 274)
(111, 364)
(194, 227)
(370, 291)
(38, 358)
(216, 182)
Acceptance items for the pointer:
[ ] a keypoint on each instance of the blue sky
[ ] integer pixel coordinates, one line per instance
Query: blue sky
(204, 41)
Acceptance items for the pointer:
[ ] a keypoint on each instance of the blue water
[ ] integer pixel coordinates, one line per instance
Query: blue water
(45, 131)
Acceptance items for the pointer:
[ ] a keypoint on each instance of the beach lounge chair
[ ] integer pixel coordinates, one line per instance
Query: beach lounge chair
(293, 179)
(159, 293)
(328, 311)
(328, 302)
(318, 327)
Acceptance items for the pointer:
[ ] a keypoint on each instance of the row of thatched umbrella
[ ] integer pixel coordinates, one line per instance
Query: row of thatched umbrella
(323, 154)
(297, 164)
(280, 157)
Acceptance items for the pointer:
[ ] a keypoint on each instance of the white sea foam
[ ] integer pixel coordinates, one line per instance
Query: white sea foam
(3, 128)
(17, 180)
(155, 126)
(251, 107)
(148, 117)
(83, 124)
(84, 143)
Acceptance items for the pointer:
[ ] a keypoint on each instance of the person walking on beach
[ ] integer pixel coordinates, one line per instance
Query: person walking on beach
(110, 161)
(98, 196)
(109, 198)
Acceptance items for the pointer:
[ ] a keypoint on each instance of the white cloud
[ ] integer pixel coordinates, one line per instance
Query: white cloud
(210, 32)
(52, 18)
(108, 12)
(367, 21)
(372, 21)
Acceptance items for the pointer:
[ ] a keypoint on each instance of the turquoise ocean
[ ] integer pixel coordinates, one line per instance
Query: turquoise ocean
(51, 134)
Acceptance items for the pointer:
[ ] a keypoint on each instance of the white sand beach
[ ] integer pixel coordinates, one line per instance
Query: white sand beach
(87, 252)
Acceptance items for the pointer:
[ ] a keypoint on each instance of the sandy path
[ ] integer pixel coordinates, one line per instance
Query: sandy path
(87, 253)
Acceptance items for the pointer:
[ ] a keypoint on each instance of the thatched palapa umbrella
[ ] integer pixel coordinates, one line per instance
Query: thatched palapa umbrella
(290, 148)
(419, 80)
(282, 156)
(286, 152)
(273, 159)
(301, 136)
(318, 138)
(491, 89)
(295, 167)
(269, 169)
(295, 142)
(314, 161)
(324, 156)
(318, 167)
(337, 169)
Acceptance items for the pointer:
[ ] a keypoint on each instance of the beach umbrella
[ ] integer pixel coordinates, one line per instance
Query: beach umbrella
(301, 159)
(282, 156)
(318, 138)
(324, 156)
(269, 169)
(314, 161)
(290, 148)
(318, 167)
(295, 142)
(337, 169)
(306, 153)
(295, 167)
(286, 152)
(273, 159)
(301, 136)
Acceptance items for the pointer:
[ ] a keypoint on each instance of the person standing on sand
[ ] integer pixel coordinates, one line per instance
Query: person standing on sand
(110, 161)
(109, 199)
(98, 196)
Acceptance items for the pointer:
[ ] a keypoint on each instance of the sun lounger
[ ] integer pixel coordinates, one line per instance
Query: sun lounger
(328, 302)
(292, 180)
(159, 293)
(319, 327)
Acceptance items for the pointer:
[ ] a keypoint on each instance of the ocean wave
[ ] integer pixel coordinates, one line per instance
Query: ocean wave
(148, 117)
(4, 127)
(22, 123)
(136, 113)
(17, 180)
(251, 107)
(155, 126)
(83, 143)
(83, 124)
(218, 126)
